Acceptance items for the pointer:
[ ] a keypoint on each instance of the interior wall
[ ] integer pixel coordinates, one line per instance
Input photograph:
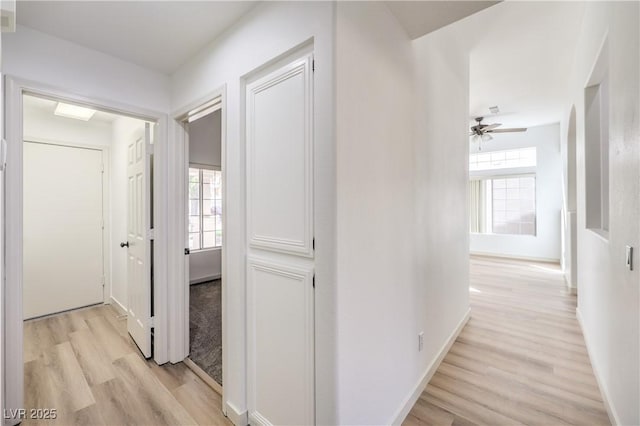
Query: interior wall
(42, 126)
(268, 31)
(81, 71)
(205, 148)
(545, 245)
(608, 293)
(399, 130)
(375, 214)
(441, 295)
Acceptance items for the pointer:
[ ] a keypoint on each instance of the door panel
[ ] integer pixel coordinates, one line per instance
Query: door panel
(138, 252)
(63, 242)
(280, 347)
(280, 298)
(279, 160)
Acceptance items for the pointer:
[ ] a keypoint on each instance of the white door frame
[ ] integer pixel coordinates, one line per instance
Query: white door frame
(106, 203)
(13, 368)
(179, 292)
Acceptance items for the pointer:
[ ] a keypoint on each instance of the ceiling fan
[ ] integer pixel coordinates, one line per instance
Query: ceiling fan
(482, 132)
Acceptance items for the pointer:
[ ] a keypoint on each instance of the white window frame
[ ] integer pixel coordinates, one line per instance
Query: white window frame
(200, 168)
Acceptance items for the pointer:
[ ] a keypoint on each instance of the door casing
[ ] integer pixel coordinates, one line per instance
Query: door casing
(13, 365)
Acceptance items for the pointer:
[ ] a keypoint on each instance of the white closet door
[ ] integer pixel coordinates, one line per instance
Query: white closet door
(63, 250)
(280, 303)
(138, 240)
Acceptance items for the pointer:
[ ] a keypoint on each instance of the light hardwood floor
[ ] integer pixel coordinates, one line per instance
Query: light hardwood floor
(521, 358)
(84, 364)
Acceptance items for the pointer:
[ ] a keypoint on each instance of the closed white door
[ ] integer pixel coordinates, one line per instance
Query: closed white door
(138, 240)
(63, 241)
(280, 299)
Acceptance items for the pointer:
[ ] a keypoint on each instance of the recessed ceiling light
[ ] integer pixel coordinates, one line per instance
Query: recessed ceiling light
(74, 111)
(494, 109)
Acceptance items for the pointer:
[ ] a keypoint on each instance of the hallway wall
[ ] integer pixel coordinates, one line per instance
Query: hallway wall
(608, 293)
(403, 244)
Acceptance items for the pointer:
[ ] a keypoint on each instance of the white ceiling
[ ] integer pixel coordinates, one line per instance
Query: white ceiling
(521, 60)
(37, 105)
(422, 17)
(159, 35)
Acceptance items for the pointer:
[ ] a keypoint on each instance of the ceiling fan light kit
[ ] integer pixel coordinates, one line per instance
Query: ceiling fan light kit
(482, 132)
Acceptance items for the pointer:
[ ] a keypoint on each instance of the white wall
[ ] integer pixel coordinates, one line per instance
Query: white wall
(545, 245)
(122, 130)
(608, 293)
(402, 242)
(42, 126)
(35, 56)
(205, 137)
(268, 31)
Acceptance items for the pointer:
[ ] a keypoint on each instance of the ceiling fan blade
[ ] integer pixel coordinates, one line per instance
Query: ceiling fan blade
(472, 133)
(491, 126)
(516, 129)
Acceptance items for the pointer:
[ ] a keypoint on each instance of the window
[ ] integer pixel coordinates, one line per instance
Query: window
(205, 208)
(513, 158)
(506, 203)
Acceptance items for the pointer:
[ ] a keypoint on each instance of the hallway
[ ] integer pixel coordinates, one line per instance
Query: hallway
(84, 364)
(521, 358)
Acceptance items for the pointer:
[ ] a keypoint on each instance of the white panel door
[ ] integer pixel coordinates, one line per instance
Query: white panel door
(281, 344)
(280, 264)
(63, 242)
(280, 160)
(138, 240)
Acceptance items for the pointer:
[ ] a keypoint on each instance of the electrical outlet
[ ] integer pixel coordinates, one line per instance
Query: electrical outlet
(420, 341)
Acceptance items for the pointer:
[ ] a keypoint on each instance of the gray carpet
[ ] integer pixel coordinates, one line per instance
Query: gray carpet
(205, 327)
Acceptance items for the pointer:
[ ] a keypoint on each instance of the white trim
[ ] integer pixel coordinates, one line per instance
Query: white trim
(205, 279)
(410, 400)
(514, 256)
(237, 418)
(177, 262)
(608, 403)
(15, 87)
(118, 306)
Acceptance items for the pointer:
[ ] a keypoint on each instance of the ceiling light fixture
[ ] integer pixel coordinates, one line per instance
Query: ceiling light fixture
(74, 111)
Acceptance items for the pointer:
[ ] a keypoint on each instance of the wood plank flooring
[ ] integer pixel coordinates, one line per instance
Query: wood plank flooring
(84, 364)
(521, 358)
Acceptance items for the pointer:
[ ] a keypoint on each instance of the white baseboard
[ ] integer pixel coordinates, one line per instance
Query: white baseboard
(119, 306)
(514, 256)
(410, 401)
(237, 418)
(205, 279)
(608, 405)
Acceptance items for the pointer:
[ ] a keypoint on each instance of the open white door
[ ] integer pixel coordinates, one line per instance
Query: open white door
(139, 240)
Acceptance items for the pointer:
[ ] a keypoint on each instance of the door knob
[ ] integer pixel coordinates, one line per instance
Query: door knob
(124, 244)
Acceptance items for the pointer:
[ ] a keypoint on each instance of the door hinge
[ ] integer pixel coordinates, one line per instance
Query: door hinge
(313, 65)
(313, 243)
(103, 280)
(152, 322)
(151, 234)
(150, 148)
(102, 167)
(313, 280)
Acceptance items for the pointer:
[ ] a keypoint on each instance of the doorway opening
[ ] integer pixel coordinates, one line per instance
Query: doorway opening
(79, 224)
(204, 231)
